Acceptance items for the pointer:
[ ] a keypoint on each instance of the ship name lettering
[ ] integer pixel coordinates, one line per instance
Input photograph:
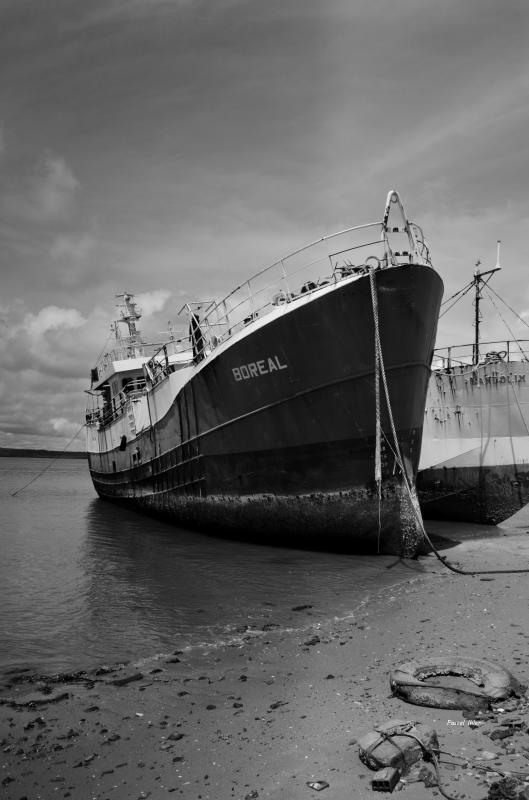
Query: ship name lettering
(495, 379)
(256, 368)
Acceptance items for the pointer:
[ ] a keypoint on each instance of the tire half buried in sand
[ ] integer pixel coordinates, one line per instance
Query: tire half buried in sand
(492, 682)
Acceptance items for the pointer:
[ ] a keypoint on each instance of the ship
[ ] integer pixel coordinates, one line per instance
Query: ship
(474, 464)
(291, 410)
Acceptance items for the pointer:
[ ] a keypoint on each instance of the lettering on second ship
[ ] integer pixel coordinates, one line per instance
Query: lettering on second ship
(257, 368)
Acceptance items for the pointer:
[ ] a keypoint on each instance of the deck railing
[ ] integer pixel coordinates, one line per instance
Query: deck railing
(489, 352)
(323, 263)
(107, 410)
(319, 264)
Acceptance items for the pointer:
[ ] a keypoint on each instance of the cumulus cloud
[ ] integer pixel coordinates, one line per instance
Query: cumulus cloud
(46, 353)
(63, 426)
(49, 352)
(152, 302)
(54, 187)
(73, 247)
(52, 318)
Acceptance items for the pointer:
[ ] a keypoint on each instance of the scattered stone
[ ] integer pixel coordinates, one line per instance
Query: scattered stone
(301, 608)
(427, 777)
(251, 795)
(104, 670)
(278, 704)
(504, 789)
(210, 707)
(486, 755)
(85, 761)
(500, 733)
(91, 708)
(71, 734)
(318, 785)
(137, 676)
(175, 737)
(312, 642)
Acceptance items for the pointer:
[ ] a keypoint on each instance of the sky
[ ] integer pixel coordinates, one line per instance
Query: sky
(172, 148)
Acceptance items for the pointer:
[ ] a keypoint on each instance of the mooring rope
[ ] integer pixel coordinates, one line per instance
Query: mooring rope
(42, 471)
(378, 425)
(407, 481)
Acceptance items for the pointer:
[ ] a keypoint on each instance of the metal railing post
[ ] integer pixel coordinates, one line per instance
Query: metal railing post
(285, 279)
(251, 298)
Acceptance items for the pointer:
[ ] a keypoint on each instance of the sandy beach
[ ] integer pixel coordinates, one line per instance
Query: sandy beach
(283, 707)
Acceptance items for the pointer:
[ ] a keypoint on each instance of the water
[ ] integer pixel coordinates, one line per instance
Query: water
(85, 583)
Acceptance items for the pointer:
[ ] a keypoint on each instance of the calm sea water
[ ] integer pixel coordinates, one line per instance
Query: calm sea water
(84, 582)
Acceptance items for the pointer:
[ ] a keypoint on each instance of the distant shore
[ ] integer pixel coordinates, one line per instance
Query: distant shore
(19, 452)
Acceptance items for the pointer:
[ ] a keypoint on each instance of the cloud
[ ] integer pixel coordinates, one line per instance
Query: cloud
(48, 353)
(72, 247)
(2, 141)
(54, 189)
(152, 302)
(63, 426)
(52, 318)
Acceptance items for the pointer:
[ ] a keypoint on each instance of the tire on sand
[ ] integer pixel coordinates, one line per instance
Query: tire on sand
(409, 681)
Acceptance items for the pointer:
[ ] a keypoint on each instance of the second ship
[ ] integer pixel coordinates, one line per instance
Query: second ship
(474, 463)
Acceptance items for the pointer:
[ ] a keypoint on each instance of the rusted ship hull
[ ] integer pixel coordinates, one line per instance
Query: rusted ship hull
(275, 434)
(475, 455)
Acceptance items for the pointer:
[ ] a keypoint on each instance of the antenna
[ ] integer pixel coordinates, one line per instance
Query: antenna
(479, 283)
(130, 314)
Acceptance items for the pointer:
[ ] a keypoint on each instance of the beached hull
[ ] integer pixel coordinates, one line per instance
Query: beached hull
(274, 436)
(475, 453)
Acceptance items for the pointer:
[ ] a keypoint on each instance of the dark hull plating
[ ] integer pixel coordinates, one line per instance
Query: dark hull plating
(291, 450)
(486, 495)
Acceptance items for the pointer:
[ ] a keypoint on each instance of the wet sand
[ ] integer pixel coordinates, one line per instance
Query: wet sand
(263, 718)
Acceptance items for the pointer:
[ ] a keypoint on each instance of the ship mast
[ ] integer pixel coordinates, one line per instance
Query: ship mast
(129, 314)
(479, 283)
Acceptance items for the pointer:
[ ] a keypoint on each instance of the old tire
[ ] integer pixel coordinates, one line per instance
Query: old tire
(492, 683)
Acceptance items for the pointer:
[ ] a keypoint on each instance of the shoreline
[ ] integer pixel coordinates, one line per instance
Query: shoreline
(263, 718)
